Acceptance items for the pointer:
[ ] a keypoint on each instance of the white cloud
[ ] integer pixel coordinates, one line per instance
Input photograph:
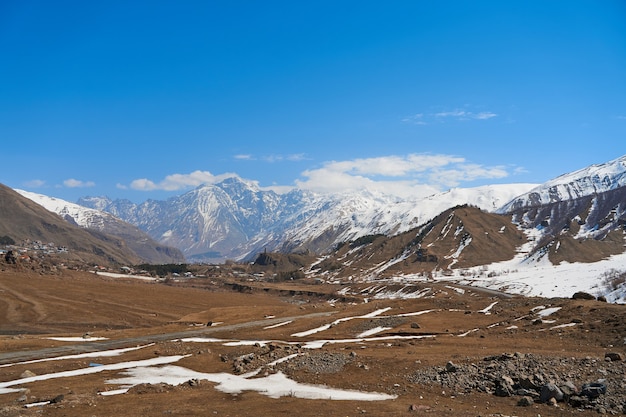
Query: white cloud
(484, 115)
(411, 175)
(408, 175)
(417, 119)
(35, 183)
(176, 182)
(456, 114)
(73, 183)
(278, 158)
(465, 173)
(272, 158)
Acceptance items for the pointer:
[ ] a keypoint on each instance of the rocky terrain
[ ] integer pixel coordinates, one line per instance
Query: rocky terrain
(222, 344)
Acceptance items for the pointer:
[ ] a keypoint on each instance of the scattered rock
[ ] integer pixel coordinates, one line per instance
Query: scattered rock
(581, 295)
(28, 374)
(614, 356)
(451, 367)
(415, 325)
(525, 401)
(57, 399)
(578, 402)
(414, 407)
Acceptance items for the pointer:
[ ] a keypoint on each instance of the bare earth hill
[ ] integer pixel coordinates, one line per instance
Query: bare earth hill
(21, 219)
(113, 242)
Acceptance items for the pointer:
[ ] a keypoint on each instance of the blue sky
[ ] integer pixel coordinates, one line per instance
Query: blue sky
(144, 100)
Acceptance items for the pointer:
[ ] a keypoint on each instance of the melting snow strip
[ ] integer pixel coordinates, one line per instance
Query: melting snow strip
(487, 309)
(467, 332)
(77, 339)
(547, 311)
(99, 354)
(278, 325)
(373, 331)
(328, 326)
(4, 386)
(274, 386)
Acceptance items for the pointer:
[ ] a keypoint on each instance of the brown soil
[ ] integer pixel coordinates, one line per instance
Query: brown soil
(131, 312)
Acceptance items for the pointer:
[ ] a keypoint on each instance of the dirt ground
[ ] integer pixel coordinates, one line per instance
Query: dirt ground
(432, 362)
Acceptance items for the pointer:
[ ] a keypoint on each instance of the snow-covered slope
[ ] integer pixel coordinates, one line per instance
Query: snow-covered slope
(82, 216)
(595, 179)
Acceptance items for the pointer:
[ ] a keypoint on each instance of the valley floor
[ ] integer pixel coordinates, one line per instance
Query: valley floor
(76, 344)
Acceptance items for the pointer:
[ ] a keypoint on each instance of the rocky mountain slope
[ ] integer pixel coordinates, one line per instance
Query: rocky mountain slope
(22, 219)
(461, 237)
(142, 245)
(581, 216)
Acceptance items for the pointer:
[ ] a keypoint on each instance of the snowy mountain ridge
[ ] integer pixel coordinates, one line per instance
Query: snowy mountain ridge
(235, 219)
(595, 179)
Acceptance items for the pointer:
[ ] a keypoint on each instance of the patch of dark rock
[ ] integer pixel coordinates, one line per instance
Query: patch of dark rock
(581, 295)
(548, 380)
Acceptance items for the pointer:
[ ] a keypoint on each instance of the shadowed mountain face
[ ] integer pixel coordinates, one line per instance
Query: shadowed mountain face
(22, 219)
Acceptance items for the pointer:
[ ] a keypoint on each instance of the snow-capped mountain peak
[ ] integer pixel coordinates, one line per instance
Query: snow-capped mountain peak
(592, 180)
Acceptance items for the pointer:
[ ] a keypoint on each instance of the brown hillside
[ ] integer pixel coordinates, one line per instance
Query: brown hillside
(22, 219)
(461, 237)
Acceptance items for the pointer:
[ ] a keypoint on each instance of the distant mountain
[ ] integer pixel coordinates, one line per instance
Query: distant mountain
(568, 233)
(22, 219)
(139, 243)
(579, 216)
(235, 219)
(593, 180)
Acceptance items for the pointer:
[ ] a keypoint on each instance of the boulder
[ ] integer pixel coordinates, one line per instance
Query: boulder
(451, 367)
(504, 386)
(549, 391)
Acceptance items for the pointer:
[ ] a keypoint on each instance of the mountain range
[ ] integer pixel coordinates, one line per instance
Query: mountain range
(579, 217)
(235, 219)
